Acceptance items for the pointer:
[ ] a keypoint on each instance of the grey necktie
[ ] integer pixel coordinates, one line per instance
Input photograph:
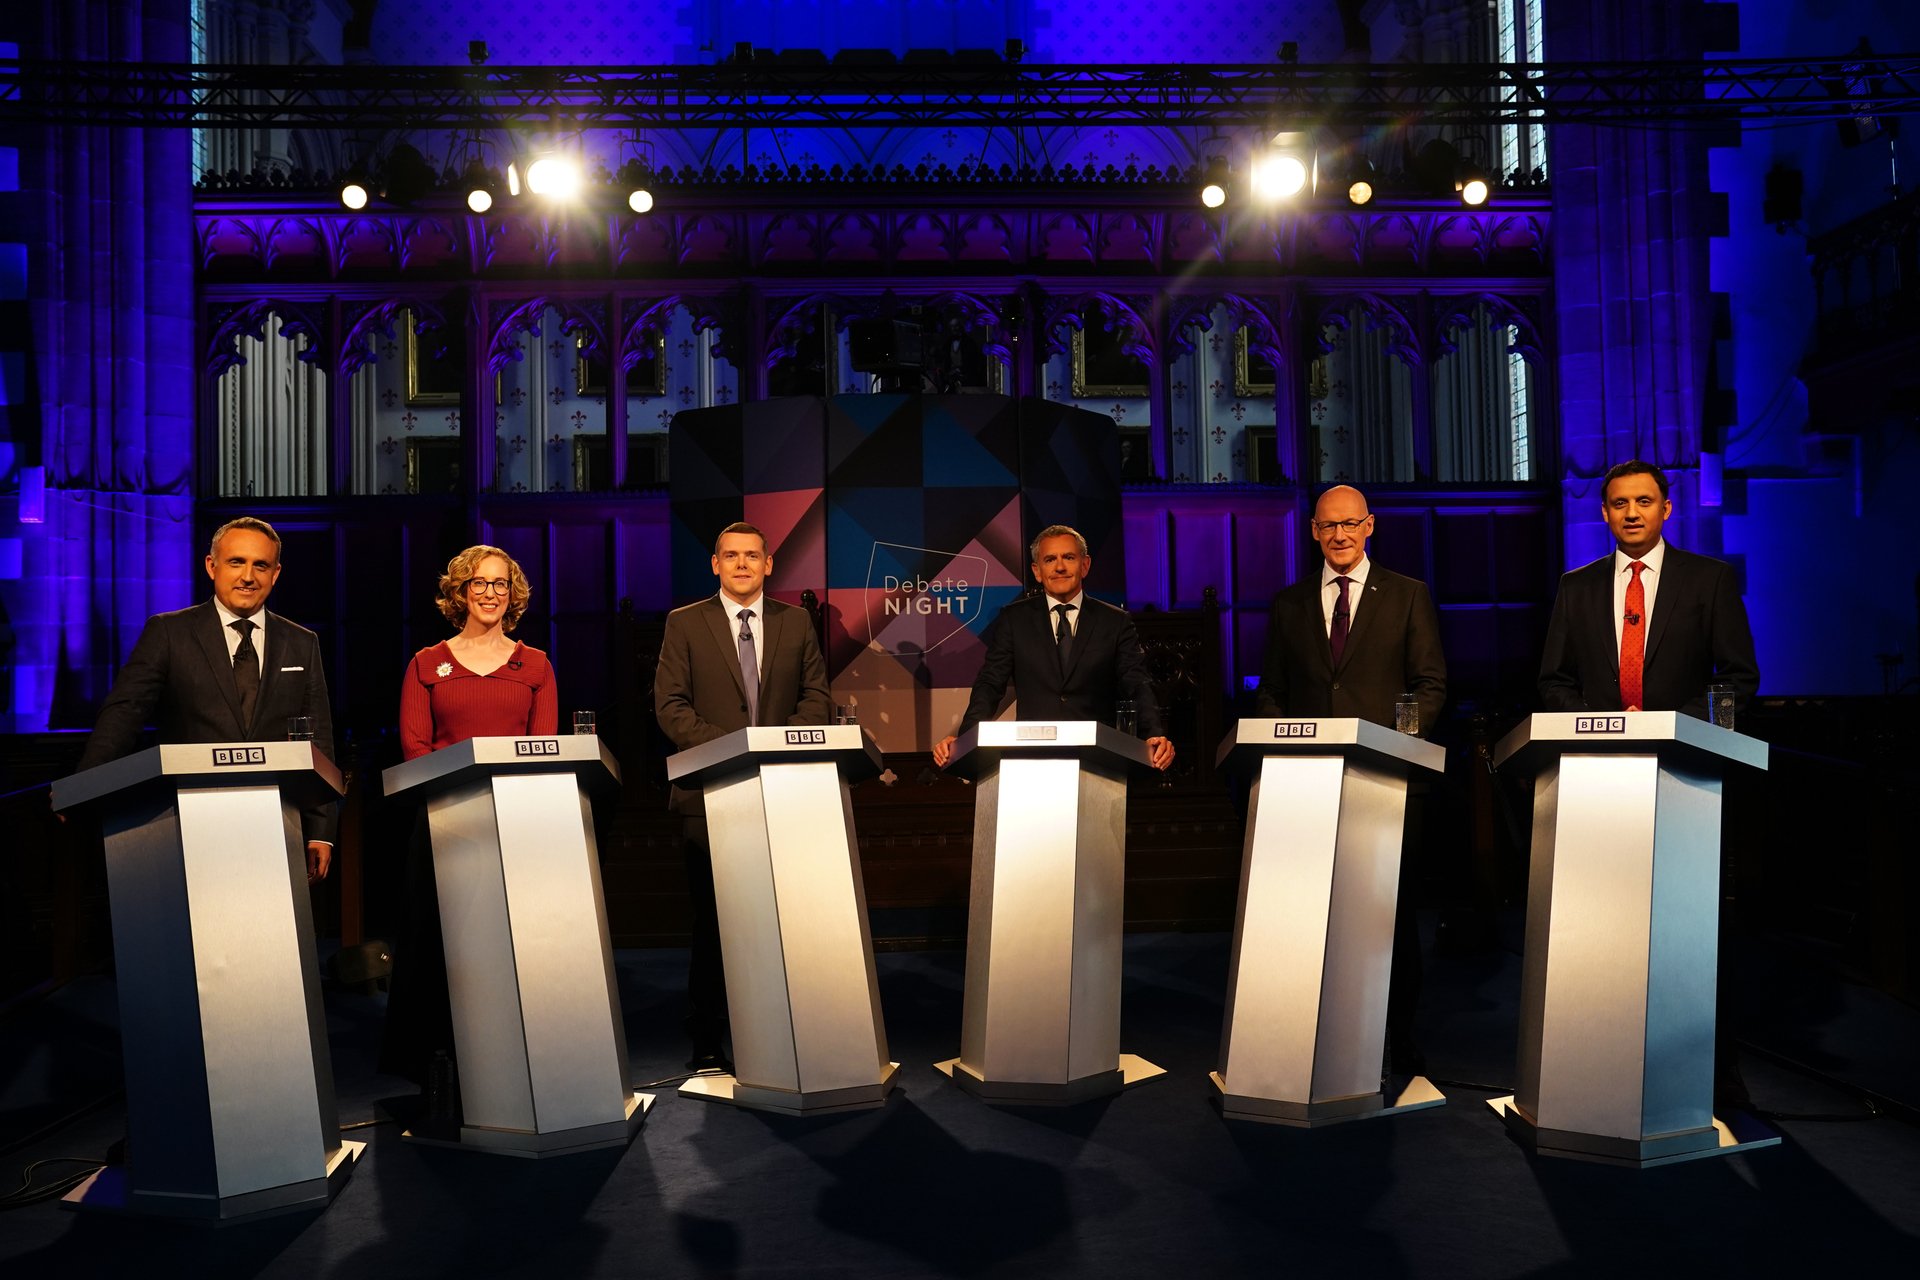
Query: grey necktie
(246, 672)
(749, 668)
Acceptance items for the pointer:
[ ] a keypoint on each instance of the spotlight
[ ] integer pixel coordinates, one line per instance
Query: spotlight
(480, 184)
(513, 179)
(556, 177)
(1360, 182)
(353, 194)
(1214, 177)
(640, 200)
(1473, 186)
(1213, 195)
(1285, 169)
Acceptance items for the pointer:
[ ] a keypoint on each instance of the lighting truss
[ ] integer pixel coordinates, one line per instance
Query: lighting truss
(1015, 95)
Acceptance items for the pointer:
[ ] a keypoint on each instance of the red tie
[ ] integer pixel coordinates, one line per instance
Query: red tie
(1633, 641)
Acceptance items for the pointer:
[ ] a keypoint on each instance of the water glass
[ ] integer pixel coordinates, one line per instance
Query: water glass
(1126, 718)
(1406, 714)
(1720, 700)
(849, 713)
(583, 722)
(299, 728)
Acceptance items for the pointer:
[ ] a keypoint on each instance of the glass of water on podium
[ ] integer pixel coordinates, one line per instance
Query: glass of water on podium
(1720, 704)
(1406, 714)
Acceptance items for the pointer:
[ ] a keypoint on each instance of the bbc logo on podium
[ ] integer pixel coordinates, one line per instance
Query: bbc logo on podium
(1296, 729)
(1599, 724)
(536, 747)
(806, 737)
(224, 756)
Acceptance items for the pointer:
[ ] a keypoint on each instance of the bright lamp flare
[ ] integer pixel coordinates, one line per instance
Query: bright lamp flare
(641, 201)
(1213, 195)
(1473, 192)
(1360, 192)
(479, 200)
(354, 196)
(1279, 177)
(555, 177)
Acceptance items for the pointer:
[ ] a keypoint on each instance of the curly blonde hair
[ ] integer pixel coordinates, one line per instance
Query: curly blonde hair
(452, 601)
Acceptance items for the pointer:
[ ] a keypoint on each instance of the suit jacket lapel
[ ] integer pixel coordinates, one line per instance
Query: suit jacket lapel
(270, 650)
(1359, 618)
(213, 647)
(1673, 570)
(1082, 635)
(720, 626)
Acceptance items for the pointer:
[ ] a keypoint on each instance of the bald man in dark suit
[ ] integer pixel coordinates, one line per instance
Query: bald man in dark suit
(701, 691)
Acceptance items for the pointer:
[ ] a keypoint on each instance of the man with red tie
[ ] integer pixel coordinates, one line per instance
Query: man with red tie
(1648, 626)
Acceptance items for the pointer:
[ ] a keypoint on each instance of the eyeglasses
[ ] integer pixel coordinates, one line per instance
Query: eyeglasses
(489, 586)
(1351, 526)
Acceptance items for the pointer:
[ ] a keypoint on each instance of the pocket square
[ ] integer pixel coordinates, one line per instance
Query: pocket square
(293, 668)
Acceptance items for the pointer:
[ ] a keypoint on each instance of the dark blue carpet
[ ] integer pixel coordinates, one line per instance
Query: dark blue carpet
(1149, 1183)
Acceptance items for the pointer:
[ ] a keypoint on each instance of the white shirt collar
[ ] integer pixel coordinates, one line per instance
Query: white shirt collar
(733, 608)
(1358, 573)
(1655, 557)
(228, 617)
(1073, 603)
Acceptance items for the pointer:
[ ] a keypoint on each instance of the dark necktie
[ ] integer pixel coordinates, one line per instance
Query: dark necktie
(749, 668)
(1342, 620)
(1633, 642)
(246, 673)
(1063, 634)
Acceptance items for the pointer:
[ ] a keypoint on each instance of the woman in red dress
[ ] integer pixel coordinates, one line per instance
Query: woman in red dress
(479, 683)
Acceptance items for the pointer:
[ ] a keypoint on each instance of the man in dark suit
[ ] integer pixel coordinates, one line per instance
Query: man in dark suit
(1646, 627)
(732, 660)
(1067, 655)
(226, 670)
(1349, 640)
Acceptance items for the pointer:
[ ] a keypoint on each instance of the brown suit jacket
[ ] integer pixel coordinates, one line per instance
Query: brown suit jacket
(697, 692)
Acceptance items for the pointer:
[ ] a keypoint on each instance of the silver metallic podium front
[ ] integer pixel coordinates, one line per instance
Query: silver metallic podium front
(1306, 1019)
(538, 1039)
(802, 992)
(230, 1102)
(1617, 984)
(1040, 1022)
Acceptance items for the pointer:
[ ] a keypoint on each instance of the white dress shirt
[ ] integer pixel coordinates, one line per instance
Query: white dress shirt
(1330, 592)
(228, 617)
(1073, 613)
(756, 624)
(1649, 584)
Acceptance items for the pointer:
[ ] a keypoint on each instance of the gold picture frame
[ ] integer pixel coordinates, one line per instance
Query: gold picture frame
(433, 379)
(647, 377)
(592, 459)
(1253, 375)
(1101, 369)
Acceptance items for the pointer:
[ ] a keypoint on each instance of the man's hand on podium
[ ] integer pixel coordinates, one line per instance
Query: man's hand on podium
(319, 858)
(1159, 753)
(943, 750)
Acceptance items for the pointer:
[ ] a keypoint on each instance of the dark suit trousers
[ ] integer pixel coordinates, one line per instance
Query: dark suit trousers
(706, 975)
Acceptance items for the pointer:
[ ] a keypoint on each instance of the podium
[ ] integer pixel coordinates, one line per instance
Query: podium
(1617, 984)
(1306, 1018)
(1040, 1021)
(539, 1043)
(230, 1102)
(802, 992)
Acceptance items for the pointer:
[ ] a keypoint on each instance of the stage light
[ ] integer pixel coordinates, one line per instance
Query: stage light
(479, 199)
(353, 194)
(640, 200)
(513, 179)
(1473, 186)
(1360, 183)
(480, 183)
(1213, 195)
(555, 177)
(1285, 169)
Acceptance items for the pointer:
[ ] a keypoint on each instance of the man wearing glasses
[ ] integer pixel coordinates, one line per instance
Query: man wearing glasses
(1348, 641)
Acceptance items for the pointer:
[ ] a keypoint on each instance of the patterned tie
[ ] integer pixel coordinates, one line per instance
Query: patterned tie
(1342, 620)
(749, 668)
(246, 672)
(1633, 641)
(1063, 634)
